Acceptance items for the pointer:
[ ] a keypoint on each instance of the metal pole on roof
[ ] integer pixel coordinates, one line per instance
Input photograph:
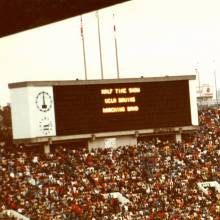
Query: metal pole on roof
(116, 47)
(83, 43)
(100, 48)
(216, 89)
(197, 72)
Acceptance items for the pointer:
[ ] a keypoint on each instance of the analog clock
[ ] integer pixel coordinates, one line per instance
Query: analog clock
(46, 126)
(43, 101)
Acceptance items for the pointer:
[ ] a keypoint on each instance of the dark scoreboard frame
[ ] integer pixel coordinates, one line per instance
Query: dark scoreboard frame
(158, 104)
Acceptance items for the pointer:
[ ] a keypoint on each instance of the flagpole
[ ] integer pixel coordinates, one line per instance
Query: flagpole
(100, 48)
(83, 44)
(116, 48)
(198, 74)
(216, 90)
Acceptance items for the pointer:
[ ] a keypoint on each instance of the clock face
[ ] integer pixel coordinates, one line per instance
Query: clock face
(46, 126)
(43, 101)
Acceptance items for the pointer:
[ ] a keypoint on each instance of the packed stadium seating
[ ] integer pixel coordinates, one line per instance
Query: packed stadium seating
(159, 178)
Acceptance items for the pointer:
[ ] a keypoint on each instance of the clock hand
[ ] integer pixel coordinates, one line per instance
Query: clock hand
(43, 99)
(44, 104)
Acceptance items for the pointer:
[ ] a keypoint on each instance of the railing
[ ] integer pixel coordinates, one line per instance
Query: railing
(13, 213)
(209, 103)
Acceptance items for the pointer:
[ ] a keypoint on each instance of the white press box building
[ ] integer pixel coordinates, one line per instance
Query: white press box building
(103, 113)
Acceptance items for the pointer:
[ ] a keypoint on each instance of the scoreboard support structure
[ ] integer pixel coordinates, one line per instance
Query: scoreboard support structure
(178, 137)
(103, 113)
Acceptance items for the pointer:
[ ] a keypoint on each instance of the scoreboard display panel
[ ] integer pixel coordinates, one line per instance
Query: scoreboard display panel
(91, 108)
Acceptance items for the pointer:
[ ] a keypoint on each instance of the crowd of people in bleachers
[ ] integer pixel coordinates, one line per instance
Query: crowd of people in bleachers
(159, 178)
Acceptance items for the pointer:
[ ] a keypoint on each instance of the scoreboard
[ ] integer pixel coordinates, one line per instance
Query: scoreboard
(55, 108)
(123, 106)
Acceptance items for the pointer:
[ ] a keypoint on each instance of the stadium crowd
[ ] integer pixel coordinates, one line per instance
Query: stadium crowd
(159, 178)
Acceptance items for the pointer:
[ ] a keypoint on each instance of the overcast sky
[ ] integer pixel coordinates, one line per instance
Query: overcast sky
(154, 38)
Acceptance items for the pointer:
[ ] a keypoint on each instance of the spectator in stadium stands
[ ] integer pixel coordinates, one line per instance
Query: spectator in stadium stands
(159, 178)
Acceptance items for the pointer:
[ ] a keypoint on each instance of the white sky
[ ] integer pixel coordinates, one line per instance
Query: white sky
(154, 38)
